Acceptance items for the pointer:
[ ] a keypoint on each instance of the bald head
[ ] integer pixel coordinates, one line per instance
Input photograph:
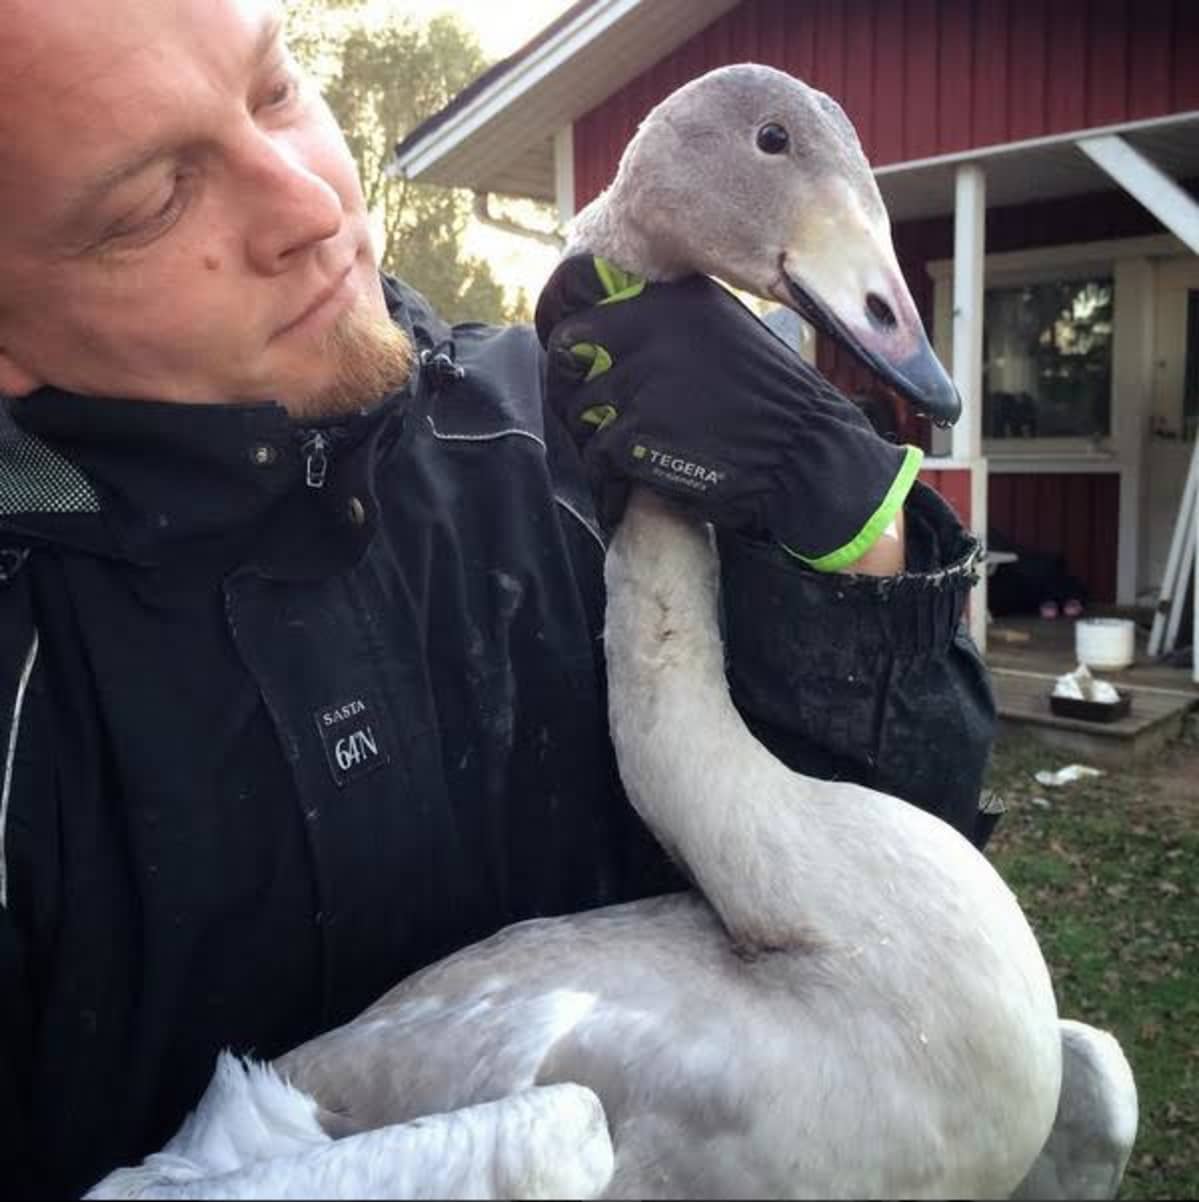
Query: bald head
(179, 216)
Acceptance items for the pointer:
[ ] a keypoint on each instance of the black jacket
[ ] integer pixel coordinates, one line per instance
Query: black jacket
(287, 714)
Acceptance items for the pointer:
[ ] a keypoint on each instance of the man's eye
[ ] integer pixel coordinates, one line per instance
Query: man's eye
(281, 93)
(141, 225)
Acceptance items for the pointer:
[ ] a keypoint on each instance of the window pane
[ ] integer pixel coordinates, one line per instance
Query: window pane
(1047, 360)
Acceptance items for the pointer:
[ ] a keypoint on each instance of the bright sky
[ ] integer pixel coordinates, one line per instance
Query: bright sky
(501, 29)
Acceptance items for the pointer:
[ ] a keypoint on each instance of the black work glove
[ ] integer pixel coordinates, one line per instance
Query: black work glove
(680, 387)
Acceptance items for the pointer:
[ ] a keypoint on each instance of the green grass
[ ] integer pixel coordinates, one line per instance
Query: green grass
(1107, 874)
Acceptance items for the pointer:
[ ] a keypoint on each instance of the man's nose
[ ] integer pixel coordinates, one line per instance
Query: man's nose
(292, 208)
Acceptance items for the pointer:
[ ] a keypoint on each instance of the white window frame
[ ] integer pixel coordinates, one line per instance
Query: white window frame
(1068, 444)
(1117, 259)
(1176, 279)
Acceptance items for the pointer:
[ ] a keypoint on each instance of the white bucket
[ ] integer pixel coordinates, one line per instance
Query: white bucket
(1105, 643)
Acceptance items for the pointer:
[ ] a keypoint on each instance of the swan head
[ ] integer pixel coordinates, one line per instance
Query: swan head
(750, 175)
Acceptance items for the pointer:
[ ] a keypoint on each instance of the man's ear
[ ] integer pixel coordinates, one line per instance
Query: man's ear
(16, 380)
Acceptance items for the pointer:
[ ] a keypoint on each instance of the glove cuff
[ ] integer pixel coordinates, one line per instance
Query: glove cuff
(768, 593)
(841, 557)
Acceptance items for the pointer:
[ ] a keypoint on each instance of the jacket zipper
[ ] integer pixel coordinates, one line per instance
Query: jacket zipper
(315, 449)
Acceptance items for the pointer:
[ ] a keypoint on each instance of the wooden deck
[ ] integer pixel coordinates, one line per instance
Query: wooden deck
(1156, 718)
(1026, 655)
(1040, 645)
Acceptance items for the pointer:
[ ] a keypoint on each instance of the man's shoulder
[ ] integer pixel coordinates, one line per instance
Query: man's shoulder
(487, 387)
(483, 381)
(495, 386)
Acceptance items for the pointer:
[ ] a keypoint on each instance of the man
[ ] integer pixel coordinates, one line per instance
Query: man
(300, 664)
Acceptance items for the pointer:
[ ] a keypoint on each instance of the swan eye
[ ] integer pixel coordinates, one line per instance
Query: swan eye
(773, 138)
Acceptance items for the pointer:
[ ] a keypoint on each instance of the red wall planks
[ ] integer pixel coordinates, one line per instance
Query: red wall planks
(955, 70)
(992, 79)
(954, 486)
(828, 68)
(772, 36)
(1149, 48)
(1075, 513)
(801, 42)
(1107, 62)
(1028, 48)
(884, 119)
(746, 40)
(921, 85)
(1183, 43)
(926, 77)
(1067, 66)
(861, 79)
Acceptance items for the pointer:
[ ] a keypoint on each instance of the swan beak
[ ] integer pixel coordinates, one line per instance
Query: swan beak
(922, 380)
(889, 338)
(839, 271)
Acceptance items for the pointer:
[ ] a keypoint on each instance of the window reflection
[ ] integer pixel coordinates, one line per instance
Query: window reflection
(1047, 360)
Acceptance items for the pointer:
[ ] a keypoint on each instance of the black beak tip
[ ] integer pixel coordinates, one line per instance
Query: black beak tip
(927, 385)
(947, 413)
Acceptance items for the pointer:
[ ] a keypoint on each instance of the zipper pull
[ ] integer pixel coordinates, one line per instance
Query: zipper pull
(316, 461)
(441, 364)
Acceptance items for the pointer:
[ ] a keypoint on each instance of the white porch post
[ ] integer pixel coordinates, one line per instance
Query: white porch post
(1132, 387)
(969, 248)
(564, 173)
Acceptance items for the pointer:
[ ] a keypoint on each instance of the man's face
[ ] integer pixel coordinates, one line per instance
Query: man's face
(180, 218)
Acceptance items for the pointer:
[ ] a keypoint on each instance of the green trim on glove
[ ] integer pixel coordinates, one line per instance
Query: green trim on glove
(880, 519)
(620, 285)
(596, 357)
(688, 393)
(599, 416)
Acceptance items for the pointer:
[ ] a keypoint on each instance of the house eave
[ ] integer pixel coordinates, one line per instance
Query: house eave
(498, 137)
(1038, 169)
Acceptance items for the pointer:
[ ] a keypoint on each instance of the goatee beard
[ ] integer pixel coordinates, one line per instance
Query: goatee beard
(372, 357)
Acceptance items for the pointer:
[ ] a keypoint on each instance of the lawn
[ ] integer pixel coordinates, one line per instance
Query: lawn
(1106, 871)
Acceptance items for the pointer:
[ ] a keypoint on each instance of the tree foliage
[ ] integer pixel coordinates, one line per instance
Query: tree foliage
(381, 82)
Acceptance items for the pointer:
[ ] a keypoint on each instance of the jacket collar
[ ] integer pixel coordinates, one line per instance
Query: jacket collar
(162, 484)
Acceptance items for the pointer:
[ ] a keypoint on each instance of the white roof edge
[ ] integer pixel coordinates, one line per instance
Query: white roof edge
(546, 58)
(1048, 141)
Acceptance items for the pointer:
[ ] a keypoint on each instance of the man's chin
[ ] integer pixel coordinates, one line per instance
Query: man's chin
(364, 358)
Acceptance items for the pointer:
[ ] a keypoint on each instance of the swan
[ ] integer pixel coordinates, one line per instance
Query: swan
(851, 1002)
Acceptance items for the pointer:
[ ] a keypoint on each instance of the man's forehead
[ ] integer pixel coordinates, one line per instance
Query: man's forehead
(74, 105)
(85, 86)
(41, 37)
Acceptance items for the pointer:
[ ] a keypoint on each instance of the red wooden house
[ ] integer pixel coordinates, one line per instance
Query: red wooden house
(1039, 159)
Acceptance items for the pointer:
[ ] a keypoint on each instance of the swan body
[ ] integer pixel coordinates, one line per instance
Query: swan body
(851, 1003)
(806, 1038)
(255, 1136)
(1096, 1124)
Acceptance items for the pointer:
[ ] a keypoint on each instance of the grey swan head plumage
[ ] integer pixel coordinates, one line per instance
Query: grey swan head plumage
(749, 175)
(851, 1003)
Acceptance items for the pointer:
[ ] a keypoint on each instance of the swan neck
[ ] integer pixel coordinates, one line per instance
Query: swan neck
(663, 599)
(708, 790)
(600, 230)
